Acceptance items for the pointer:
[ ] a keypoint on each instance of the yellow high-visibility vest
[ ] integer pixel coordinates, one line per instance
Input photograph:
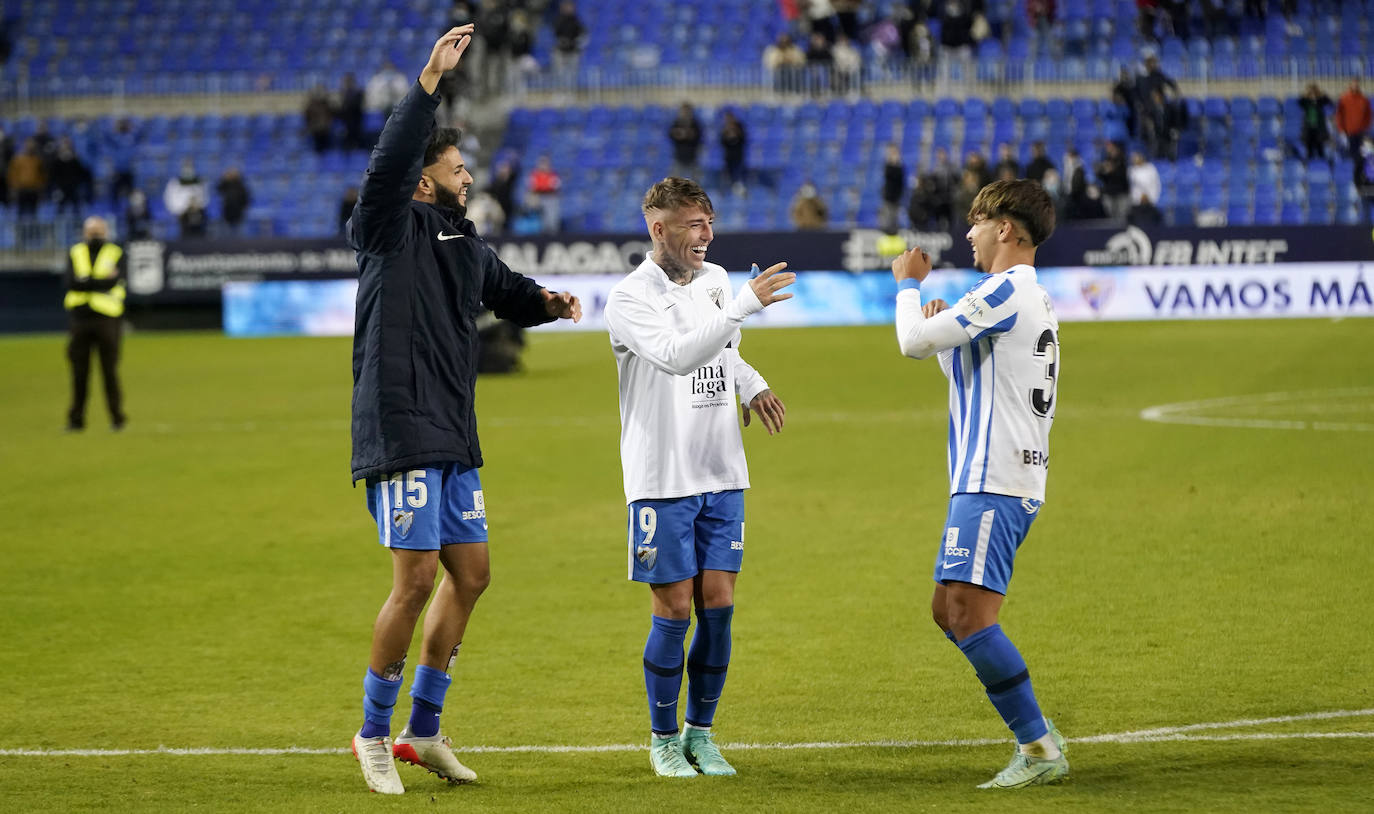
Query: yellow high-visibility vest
(106, 265)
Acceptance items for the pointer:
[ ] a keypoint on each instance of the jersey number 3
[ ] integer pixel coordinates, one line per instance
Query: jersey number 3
(1047, 348)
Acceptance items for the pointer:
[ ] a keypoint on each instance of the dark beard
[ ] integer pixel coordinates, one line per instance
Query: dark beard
(447, 200)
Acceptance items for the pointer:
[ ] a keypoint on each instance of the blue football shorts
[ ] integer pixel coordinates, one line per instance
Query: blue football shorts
(982, 534)
(424, 509)
(676, 539)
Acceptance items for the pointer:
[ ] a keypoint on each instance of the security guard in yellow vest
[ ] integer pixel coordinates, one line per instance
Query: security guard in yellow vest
(96, 270)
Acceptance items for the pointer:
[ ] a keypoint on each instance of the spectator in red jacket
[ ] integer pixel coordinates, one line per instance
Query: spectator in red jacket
(1353, 116)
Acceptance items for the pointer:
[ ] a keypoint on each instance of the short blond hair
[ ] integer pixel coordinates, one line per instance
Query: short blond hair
(676, 193)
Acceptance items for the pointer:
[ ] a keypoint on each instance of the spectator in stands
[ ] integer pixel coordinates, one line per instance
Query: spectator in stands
(784, 62)
(385, 88)
(946, 175)
(685, 135)
(28, 179)
(1040, 14)
(1162, 126)
(346, 204)
(138, 221)
(546, 187)
(503, 184)
(569, 37)
(894, 188)
(847, 16)
(122, 145)
(1008, 168)
(734, 143)
(1148, 18)
(848, 66)
(350, 113)
(979, 165)
(493, 29)
(1153, 80)
(809, 212)
(1091, 208)
(1054, 188)
(819, 62)
(1116, 185)
(319, 119)
(194, 221)
(1074, 184)
(186, 187)
(47, 143)
(1040, 163)
(961, 24)
(1353, 117)
(1126, 96)
(1314, 133)
(1364, 175)
(1217, 17)
(970, 183)
(72, 181)
(4, 41)
(820, 18)
(1145, 191)
(1175, 14)
(486, 214)
(234, 198)
(926, 205)
(522, 44)
(6, 153)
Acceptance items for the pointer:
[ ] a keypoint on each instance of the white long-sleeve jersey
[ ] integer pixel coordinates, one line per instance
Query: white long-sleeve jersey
(999, 347)
(677, 357)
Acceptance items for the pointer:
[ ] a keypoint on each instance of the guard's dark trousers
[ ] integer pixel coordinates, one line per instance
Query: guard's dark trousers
(102, 333)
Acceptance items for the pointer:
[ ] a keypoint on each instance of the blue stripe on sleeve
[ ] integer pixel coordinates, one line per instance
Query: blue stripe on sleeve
(1000, 294)
(959, 318)
(909, 282)
(1000, 328)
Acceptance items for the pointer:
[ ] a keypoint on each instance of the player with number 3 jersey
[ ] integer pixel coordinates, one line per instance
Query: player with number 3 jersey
(999, 347)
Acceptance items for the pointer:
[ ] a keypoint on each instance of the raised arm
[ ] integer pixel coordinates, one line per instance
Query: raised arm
(640, 325)
(394, 168)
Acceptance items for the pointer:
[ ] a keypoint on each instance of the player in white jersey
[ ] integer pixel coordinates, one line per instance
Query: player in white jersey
(674, 327)
(999, 347)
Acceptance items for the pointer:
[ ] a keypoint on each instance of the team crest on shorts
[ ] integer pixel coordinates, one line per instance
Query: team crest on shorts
(1030, 505)
(647, 556)
(717, 296)
(402, 521)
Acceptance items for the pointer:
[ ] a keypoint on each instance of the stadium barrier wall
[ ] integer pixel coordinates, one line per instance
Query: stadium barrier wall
(176, 283)
(1080, 294)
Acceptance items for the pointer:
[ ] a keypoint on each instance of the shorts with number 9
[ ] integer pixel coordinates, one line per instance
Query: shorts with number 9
(676, 539)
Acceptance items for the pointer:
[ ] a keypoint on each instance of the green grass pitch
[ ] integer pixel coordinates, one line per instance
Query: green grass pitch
(209, 578)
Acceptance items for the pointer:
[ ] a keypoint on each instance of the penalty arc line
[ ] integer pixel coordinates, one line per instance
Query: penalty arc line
(1159, 735)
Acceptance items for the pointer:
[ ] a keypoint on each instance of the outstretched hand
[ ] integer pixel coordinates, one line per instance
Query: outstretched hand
(770, 410)
(767, 285)
(444, 57)
(563, 305)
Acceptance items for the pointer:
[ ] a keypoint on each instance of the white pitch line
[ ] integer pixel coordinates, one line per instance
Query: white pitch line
(1159, 735)
(1184, 412)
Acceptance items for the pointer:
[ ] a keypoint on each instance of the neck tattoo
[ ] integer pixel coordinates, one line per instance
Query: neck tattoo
(677, 273)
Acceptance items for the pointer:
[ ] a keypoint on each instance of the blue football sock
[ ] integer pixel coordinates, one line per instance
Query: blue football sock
(428, 691)
(1004, 675)
(663, 672)
(379, 699)
(707, 661)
